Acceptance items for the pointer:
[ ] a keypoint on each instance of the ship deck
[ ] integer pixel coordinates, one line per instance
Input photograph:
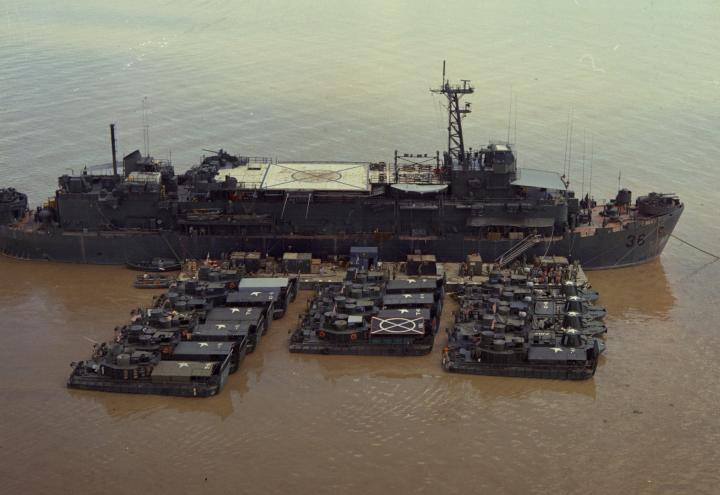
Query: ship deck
(597, 221)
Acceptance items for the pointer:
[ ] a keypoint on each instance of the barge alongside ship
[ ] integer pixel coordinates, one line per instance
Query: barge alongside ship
(523, 325)
(371, 314)
(189, 342)
(449, 204)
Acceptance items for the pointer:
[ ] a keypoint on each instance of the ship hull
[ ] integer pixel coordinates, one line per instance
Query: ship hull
(641, 241)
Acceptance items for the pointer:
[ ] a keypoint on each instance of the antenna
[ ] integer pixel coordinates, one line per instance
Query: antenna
(592, 159)
(509, 114)
(114, 152)
(570, 146)
(567, 138)
(582, 188)
(516, 111)
(146, 127)
(619, 178)
(453, 93)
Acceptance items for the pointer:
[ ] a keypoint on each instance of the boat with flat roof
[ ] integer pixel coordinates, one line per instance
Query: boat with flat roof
(518, 324)
(370, 314)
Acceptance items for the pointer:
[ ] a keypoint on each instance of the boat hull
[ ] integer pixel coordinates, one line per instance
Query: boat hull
(640, 242)
(361, 349)
(100, 384)
(550, 372)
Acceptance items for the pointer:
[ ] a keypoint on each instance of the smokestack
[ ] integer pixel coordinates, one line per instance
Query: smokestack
(114, 153)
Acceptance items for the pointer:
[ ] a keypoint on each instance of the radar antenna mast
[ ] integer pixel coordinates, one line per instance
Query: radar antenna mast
(146, 126)
(453, 93)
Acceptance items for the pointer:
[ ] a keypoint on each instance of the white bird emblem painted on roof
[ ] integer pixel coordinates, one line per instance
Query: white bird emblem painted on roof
(255, 293)
(407, 295)
(204, 344)
(234, 310)
(556, 349)
(183, 365)
(411, 281)
(220, 326)
(403, 311)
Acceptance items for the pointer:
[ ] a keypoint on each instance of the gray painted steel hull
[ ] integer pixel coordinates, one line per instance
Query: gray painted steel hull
(641, 242)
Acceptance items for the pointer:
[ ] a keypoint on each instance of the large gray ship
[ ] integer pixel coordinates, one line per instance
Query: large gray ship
(452, 204)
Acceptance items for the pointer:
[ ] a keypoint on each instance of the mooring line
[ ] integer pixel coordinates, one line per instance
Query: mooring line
(695, 247)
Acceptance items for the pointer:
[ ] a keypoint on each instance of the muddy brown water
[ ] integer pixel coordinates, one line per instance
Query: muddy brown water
(302, 80)
(333, 424)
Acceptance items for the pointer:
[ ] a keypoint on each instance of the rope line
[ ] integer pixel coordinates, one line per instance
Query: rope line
(695, 247)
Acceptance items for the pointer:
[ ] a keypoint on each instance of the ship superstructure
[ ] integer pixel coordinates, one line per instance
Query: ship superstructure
(452, 204)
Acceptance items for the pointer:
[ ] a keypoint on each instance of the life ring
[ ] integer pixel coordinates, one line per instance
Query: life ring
(321, 334)
(353, 336)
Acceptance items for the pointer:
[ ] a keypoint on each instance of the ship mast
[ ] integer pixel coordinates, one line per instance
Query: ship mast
(453, 93)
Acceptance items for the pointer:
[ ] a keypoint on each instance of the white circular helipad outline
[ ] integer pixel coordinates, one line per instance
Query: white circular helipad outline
(316, 176)
(404, 325)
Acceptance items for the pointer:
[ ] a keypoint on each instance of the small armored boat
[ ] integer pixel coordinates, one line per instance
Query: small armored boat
(544, 354)
(121, 368)
(153, 281)
(370, 315)
(524, 324)
(155, 265)
(189, 341)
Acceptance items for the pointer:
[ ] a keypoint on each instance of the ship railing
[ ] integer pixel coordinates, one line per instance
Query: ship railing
(249, 185)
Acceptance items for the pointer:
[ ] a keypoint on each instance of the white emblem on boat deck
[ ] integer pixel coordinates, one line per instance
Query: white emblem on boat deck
(403, 310)
(398, 325)
(556, 349)
(204, 344)
(183, 365)
(411, 281)
(208, 366)
(220, 326)
(407, 295)
(234, 310)
(255, 293)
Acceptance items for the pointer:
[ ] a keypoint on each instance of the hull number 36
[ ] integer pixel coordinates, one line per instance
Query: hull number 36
(633, 240)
